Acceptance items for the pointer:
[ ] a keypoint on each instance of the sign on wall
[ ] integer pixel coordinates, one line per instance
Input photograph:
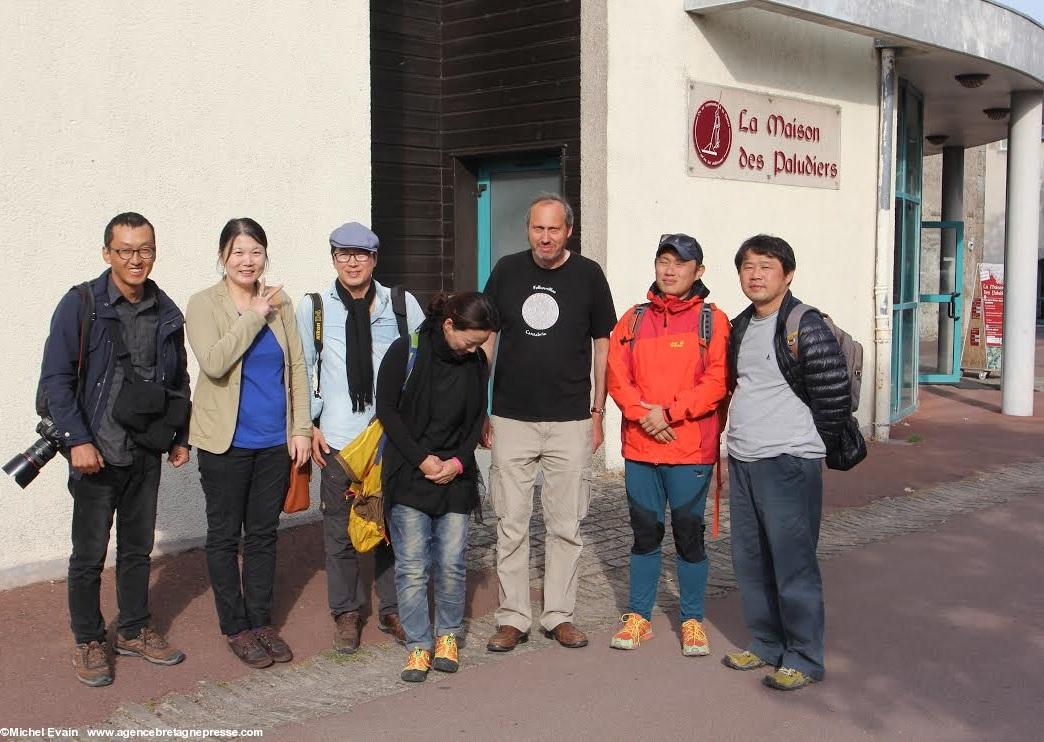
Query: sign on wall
(742, 135)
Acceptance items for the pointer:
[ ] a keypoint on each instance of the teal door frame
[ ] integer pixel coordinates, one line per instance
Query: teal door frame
(906, 277)
(484, 186)
(954, 304)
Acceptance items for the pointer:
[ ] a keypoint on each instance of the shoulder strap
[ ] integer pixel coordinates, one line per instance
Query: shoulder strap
(317, 338)
(411, 359)
(398, 302)
(794, 325)
(120, 347)
(636, 322)
(706, 322)
(706, 329)
(86, 323)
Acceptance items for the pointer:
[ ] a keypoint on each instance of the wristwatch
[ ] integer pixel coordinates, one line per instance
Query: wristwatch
(598, 410)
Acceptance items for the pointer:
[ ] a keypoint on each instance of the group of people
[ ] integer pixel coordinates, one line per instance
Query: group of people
(279, 389)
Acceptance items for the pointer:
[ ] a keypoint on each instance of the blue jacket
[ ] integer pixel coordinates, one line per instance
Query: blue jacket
(76, 421)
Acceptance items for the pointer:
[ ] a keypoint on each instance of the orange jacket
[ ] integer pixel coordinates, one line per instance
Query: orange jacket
(666, 365)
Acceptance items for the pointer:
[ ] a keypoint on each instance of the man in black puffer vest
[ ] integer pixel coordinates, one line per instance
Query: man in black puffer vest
(786, 413)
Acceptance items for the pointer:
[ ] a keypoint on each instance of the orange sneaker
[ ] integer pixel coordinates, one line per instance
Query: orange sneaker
(417, 666)
(635, 630)
(446, 657)
(694, 639)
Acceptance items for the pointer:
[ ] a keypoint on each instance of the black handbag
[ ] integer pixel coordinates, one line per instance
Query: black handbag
(151, 414)
(850, 448)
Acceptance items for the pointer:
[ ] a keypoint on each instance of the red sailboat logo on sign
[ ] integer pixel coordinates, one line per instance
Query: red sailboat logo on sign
(712, 133)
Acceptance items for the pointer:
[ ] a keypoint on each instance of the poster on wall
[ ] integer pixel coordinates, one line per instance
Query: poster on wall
(983, 347)
(739, 134)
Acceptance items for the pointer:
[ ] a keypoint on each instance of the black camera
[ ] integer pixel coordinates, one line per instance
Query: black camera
(25, 466)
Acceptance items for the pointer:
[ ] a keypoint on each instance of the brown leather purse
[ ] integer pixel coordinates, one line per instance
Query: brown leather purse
(297, 497)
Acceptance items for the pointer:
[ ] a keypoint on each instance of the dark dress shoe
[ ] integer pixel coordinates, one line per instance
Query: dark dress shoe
(277, 649)
(506, 639)
(568, 635)
(389, 623)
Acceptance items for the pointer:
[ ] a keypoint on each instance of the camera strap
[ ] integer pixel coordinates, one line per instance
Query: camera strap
(86, 322)
(122, 354)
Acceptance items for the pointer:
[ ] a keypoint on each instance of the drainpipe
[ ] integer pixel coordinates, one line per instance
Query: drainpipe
(885, 247)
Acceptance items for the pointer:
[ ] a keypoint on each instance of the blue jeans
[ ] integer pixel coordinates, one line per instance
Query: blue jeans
(422, 542)
(650, 487)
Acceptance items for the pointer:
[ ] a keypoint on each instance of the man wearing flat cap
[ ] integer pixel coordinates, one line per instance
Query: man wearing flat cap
(358, 319)
(667, 373)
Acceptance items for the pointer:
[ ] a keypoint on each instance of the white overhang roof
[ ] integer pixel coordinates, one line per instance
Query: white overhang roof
(935, 40)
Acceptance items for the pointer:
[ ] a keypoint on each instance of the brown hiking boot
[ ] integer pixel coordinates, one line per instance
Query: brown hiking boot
(390, 624)
(248, 649)
(149, 645)
(91, 662)
(346, 636)
(277, 649)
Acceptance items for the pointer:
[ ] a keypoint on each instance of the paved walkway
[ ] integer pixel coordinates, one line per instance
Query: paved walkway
(932, 470)
(908, 657)
(307, 693)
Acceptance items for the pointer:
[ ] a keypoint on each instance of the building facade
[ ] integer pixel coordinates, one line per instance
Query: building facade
(823, 122)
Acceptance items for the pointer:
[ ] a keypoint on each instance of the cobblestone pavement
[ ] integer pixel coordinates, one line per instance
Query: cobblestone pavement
(329, 683)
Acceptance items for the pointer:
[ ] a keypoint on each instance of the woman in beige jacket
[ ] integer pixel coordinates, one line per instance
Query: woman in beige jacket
(250, 422)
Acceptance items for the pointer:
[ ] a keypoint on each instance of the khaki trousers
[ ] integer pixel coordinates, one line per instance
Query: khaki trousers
(562, 450)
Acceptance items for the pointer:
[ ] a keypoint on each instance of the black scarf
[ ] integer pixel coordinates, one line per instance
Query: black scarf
(358, 346)
(415, 402)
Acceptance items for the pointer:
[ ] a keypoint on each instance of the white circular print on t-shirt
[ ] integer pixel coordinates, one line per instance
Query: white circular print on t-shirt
(540, 311)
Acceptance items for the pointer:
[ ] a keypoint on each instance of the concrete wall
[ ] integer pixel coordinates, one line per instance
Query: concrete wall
(652, 49)
(191, 114)
(996, 164)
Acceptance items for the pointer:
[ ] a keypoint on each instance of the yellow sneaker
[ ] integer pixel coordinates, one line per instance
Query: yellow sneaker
(743, 661)
(417, 666)
(694, 639)
(787, 678)
(446, 657)
(635, 630)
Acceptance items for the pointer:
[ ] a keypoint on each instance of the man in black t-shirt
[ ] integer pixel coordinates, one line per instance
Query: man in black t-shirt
(553, 303)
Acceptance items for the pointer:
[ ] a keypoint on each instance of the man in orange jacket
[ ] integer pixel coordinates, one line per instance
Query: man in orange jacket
(667, 373)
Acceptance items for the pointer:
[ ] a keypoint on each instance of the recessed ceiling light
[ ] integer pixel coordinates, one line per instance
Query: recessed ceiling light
(972, 80)
(937, 139)
(996, 114)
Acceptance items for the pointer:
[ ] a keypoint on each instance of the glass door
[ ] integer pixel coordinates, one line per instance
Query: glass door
(906, 263)
(505, 188)
(941, 305)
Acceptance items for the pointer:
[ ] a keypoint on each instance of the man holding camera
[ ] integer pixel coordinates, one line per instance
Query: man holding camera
(136, 337)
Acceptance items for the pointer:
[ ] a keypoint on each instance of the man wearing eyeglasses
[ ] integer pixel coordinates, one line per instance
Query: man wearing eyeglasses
(110, 475)
(359, 320)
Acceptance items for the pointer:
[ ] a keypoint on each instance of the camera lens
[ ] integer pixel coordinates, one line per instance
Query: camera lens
(25, 466)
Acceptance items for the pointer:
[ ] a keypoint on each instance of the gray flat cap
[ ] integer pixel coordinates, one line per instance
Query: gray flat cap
(354, 235)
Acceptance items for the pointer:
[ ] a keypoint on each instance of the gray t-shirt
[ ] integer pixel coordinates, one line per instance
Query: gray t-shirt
(766, 418)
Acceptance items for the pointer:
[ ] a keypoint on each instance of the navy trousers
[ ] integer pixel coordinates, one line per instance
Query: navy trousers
(775, 506)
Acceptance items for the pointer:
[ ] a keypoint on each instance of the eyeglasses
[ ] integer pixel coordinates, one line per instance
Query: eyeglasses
(346, 257)
(126, 253)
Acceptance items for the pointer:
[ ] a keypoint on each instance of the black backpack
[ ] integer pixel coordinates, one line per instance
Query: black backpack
(398, 302)
(851, 446)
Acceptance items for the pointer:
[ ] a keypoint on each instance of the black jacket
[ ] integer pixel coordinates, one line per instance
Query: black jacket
(76, 421)
(818, 376)
(415, 420)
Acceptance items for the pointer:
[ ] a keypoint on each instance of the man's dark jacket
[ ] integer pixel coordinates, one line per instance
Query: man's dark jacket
(818, 376)
(77, 422)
